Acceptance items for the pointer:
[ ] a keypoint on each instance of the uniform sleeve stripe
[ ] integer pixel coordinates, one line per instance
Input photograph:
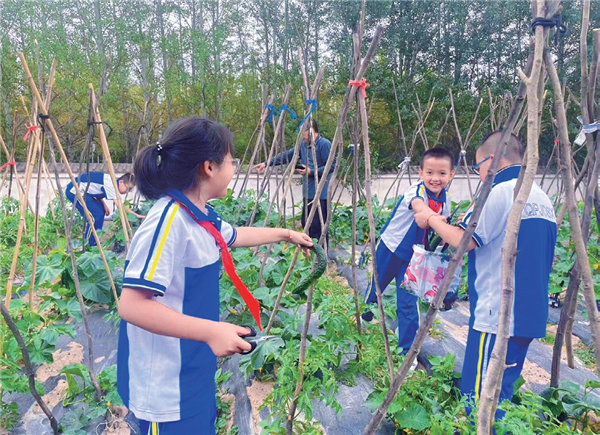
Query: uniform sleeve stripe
(475, 237)
(162, 242)
(144, 285)
(421, 191)
(233, 237)
(155, 238)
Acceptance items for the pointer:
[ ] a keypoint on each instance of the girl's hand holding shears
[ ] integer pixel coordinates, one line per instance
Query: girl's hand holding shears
(255, 340)
(226, 339)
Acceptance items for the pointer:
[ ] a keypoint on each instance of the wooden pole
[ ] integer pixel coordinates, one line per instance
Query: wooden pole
(492, 384)
(577, 234)
(9, 157)
(256, 152)
(88, 216)
(40, 146)
(290, 170)
(28, 368)
(22, 212)
(109, 164)
(36, 226)
(372, 230)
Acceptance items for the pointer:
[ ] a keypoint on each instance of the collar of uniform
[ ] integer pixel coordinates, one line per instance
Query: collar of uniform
(506, 174)
(431, 195)
(210, 215)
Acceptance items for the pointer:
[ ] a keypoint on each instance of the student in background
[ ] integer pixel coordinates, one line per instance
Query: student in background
(95, 188)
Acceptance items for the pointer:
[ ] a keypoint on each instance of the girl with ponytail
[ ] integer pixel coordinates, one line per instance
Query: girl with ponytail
(170, 335)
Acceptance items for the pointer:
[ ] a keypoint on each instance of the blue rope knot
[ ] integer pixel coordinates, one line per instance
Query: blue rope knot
(284, 107)
(313, 107)
(272, 111)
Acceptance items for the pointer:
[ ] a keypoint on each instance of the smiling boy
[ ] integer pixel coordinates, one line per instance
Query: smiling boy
(532, 268)
(400, 233)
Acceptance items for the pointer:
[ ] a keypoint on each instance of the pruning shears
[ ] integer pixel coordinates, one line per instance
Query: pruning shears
(256, 340)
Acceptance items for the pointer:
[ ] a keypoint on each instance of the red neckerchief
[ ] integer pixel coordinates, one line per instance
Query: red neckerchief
(436, 206)
(251, 302)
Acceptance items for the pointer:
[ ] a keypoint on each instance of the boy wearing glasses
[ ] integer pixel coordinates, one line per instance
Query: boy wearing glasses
(400, 233)
(535, 254)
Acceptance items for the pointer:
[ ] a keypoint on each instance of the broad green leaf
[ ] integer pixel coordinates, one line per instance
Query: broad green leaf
(415, 417)
(569, 386)
(49, 268)
(265, 351)
(96, 288)
(89, 263)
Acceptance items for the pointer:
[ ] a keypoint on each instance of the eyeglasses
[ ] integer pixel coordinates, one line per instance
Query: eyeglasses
(476, 166)
(236, 164)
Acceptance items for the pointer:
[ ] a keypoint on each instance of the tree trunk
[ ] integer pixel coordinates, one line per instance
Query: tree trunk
(576, 235)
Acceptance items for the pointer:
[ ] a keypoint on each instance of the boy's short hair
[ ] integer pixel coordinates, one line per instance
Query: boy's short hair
(127, 178)
(514, 149)
(438, 153)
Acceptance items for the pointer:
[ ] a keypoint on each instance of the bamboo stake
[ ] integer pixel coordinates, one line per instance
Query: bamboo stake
(308, 221)
(355, 185)
(68, 235)
(109, 165)
(290, 170)
(47, 100)
(56, 141)
(36, 226)
(270, 169)
(288, 178)
(10, 157)
(259, 139)
(31, 152)
(22, 213)
(372, 230)
(40, 146)
(273, 151)
(492, 384)
(463, 152)
(350, 95)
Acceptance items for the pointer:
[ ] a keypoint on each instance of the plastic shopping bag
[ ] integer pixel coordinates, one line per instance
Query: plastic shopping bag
(426, 272)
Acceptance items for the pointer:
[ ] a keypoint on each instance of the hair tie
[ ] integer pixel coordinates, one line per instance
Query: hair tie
(158, 150)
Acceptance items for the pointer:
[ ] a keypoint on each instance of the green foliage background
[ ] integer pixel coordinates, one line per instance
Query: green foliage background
(155, 61)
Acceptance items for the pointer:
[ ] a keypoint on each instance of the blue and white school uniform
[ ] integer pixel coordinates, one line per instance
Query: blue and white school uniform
(100, 187)
(393, 254)
(166, 379)
(535, 254)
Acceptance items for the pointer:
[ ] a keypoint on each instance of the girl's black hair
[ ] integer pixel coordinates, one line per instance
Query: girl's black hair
(174, 161)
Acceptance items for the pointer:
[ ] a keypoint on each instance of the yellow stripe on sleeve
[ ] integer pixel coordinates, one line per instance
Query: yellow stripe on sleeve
(162, 242)
(154, 428)
(479, 366)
